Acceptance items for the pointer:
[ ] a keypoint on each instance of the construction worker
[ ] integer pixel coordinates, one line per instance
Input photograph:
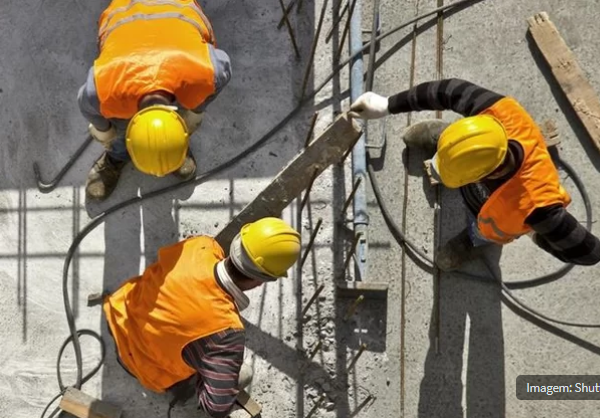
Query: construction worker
(146, 93)
(498, 159)
(181, 318)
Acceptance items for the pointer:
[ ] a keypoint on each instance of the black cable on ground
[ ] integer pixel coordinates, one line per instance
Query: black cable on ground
(80, 379)
(588, 225)
(408, 244)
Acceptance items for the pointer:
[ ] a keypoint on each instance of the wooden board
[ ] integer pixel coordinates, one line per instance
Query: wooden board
(82, 405)
(249, 405)
(568, 74)
(327, 149)
(352, 289)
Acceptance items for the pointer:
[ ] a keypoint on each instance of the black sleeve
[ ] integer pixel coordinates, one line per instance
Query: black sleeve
(453, 94)
(560, 234)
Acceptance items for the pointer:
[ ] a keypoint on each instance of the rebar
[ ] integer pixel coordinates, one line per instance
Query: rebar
(308, 189)
(317, 405)
(47, 187)
(313, 48)
(345, 33)
(290, 30)
(286, 12)
(311, 129)
(337, 20)
(361, 406)
(351, 195)
(361, 350)
(315, 350)
(312, 299)
(353, 307)
(352, 250)
(311, 242)
(371, 70)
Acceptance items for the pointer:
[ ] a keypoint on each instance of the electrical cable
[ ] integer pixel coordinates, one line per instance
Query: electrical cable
(408, 244)
(74, 333)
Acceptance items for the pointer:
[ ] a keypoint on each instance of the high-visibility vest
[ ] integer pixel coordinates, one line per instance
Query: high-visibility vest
(151, 45)
(177, 300)
(536, 184)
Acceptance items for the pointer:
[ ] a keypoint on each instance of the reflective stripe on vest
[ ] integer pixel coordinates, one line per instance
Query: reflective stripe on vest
(168, 15)
(536, 184)
(148, 46)
(177, 300)
(105, 30)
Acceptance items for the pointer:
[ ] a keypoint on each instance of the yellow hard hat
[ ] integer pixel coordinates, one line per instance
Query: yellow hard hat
(470, 149)
(157, 140)
(272, 245)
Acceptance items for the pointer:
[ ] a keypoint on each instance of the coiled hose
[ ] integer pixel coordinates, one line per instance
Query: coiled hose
(506, 287)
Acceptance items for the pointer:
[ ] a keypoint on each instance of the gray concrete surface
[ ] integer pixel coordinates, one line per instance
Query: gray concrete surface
(483, 345)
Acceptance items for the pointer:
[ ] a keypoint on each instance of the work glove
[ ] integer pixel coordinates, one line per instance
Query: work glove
(106, 138)
(192, 120)
(369, 106)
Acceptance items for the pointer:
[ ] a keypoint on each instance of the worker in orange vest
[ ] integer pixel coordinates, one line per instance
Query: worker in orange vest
(498, 159)
(148, 89)
(181, 318)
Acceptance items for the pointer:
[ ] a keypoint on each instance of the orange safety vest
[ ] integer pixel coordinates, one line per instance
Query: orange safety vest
(536, 184)
(150, 45)
(177, 300)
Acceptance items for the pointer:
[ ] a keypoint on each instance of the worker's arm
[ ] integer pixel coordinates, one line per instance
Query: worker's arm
(460, 96)
(454, 94)
(560, 234)
(222, 69)
(218, 359)
(89, 105)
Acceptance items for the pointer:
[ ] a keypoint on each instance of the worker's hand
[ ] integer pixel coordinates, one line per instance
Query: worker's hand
(369, 106)
(192, 120)
(106, 138)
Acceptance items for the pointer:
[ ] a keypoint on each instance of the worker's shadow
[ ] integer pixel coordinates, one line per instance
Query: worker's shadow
(464, 367)
(133, 236)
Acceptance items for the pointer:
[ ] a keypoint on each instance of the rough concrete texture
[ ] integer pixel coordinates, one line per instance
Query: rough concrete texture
(483, 345)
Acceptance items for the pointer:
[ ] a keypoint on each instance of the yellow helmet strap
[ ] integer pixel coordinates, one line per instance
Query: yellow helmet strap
(242, 261)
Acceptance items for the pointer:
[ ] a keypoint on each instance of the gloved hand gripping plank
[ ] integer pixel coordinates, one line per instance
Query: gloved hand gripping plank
(327, 149)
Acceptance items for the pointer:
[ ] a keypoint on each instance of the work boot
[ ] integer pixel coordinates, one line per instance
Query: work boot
(103, 177)
(424, 134)
(187, 169)
(457, 251)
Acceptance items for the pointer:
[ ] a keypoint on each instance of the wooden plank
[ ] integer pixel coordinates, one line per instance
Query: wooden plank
(568, 73)
(249, 405)
(327, 149)
(352, 289)
(82, 405)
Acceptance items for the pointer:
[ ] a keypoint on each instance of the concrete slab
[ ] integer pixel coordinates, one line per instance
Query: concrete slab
(483, 345)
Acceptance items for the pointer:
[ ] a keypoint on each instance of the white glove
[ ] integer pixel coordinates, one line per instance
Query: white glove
(192, 120)
(106, 138)
(369, 106)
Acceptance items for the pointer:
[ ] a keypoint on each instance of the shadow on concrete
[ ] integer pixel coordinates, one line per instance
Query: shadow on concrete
(563, 102)
(416, 169)
(464, 367)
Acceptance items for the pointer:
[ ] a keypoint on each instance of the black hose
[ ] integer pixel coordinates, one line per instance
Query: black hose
(410, 246)
(197, 180)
